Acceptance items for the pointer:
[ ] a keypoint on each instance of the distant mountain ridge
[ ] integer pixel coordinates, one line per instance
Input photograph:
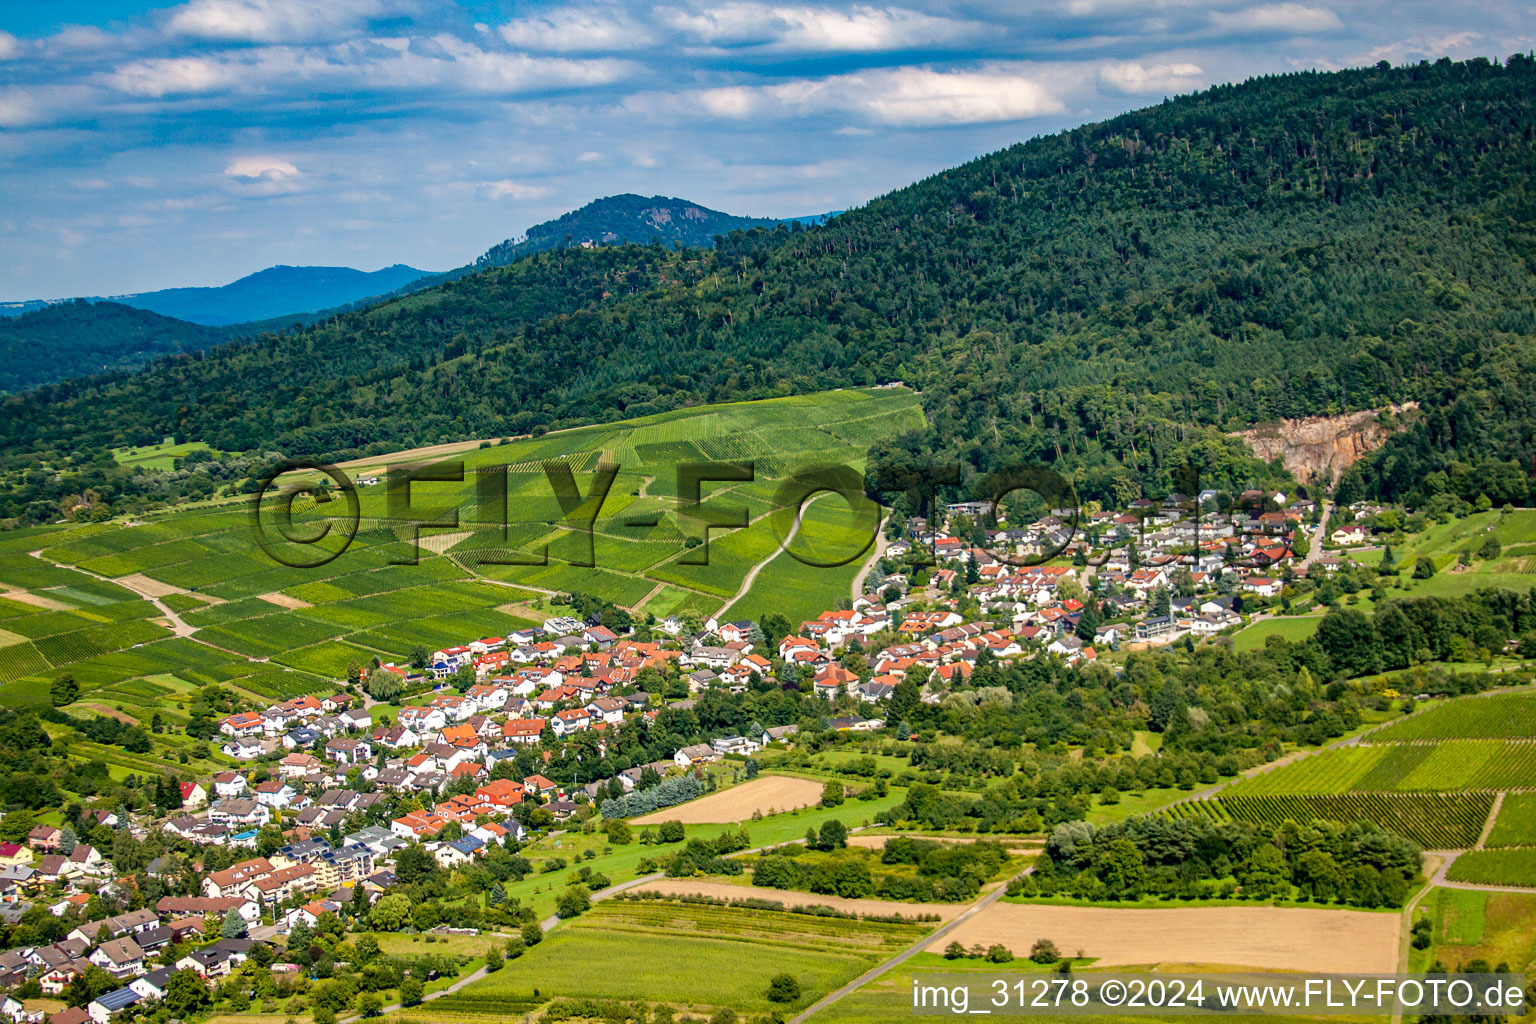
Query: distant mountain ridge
(46, 341)
(274, 292)
(615, 220)
(285, 296)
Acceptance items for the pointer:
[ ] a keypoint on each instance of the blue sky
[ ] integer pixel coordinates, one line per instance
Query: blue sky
(145, 146)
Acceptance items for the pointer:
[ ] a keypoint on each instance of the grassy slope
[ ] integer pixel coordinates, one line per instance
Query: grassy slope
(696, 955)
(1515, 569)
(1492, 926)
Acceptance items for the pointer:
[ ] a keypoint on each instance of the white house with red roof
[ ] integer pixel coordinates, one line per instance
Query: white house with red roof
(571, 720)
(242, 723)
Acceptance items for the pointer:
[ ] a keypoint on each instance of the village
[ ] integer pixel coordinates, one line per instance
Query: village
(327, 791)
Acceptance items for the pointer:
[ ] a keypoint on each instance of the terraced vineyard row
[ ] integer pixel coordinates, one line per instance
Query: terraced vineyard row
(1402, 767)
(1434, 820)
(1504, 715)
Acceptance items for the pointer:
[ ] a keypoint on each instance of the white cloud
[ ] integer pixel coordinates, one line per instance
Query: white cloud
(263, 167)
(913, 96)
(860, 29)
(82, 39)
(508, 189)
(1288, 18)
(472, 69)
(1406, 50)
(1128, 78)
(273, 21)
(17, 108)
(504, 188)
(910, 96)
(262, 176)
(173, 76)
(10, 46)
(428, 66)
(577, 31)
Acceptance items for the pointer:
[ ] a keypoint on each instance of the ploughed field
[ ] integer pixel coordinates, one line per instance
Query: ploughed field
(1277, 938)
(765, 795)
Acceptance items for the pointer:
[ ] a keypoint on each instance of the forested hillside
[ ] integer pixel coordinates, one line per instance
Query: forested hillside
(614, 220)
(1109, 298)
(73, 339)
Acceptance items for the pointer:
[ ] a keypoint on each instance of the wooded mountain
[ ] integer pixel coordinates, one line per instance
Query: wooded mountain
(284, 298)
(615, 220)
(73, 339)
(1109, 299)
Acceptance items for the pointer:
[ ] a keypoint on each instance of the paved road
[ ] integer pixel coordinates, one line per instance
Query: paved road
(1448, 857)
(857, 590)
(602, 894)
(746, 583)
(1318, 536)
(986, 900)
(468, 979)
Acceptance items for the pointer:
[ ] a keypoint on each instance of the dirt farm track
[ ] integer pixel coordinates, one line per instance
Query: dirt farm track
(766, 793)
(730, 891)
(1278, 938)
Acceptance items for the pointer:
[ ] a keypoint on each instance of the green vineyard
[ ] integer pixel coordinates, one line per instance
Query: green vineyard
(1501, 716)
(1403, 767)
(1516, 823)
(1496, 867)
(1433, 820)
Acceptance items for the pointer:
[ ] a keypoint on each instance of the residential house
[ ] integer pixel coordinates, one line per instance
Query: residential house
(119, 957)
(699, 753)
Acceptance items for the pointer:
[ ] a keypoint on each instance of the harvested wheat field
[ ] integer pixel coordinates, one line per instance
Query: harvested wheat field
(768, 794)
(1279, 938)
(35, 600)
(440, 543)
(790, 898)
(284, 601)
(148, 586)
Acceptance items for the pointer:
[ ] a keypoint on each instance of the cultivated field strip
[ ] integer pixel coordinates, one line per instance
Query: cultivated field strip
(1433, 820)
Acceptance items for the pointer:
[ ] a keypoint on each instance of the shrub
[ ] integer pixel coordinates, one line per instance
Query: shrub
(573, 901)
(955, 951)
(1044, 951)
(998, 953)
(783, 988)
(411, 991)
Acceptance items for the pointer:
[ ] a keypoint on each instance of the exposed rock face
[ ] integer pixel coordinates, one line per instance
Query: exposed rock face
(1321, 448)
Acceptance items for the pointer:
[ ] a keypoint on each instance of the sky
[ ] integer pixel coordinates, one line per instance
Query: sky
(149, 146)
